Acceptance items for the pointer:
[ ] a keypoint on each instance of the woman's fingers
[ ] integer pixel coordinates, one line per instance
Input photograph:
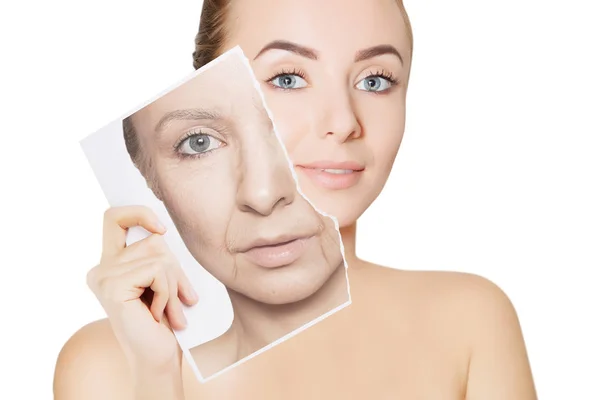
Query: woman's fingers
(128, 271)
(174, 309)
(185, 290)
(128, 281)
(102, 272)
(151, 246)
(161, 295)
(155, 244)
(131, 284)
(117, 220)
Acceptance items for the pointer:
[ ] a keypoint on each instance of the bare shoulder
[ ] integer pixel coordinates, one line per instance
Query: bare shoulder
(468, 312)
(469, 294)
(479, 304)
(463, 308)
(91, 365)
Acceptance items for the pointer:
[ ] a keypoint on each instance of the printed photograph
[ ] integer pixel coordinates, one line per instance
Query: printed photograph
(206, 157)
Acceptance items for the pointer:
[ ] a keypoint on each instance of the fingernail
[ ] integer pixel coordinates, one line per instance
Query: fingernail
(160, 226)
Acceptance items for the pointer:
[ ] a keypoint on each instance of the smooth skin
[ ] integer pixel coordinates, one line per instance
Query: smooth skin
(407, 335)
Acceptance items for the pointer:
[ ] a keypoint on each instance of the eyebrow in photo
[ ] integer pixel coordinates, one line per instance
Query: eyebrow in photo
(196, 114)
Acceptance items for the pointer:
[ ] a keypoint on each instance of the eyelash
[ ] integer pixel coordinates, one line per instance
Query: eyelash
(383, 74)
(284, 72)
(189, 134)
(380, 73)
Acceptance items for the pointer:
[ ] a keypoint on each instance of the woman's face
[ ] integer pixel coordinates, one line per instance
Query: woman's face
(212, 157)
(334, 74)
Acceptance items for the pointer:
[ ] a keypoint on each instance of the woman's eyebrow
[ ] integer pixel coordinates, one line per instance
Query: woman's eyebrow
(186, 114)
(295, 48)
(313, 54)
(375, 51)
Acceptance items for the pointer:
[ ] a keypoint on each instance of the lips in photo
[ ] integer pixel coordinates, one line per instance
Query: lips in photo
(278, 251)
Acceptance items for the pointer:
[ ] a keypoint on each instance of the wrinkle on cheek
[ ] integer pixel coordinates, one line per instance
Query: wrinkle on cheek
(187, 212)
(230, 242)
(237, 175)
(323, 239)
(235, 269)
(330, 246)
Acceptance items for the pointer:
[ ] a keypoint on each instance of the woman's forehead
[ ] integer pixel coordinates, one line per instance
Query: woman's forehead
(324, 25)
(225, 85)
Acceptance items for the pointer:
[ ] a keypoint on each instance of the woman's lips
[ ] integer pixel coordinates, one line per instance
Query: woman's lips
(335, 176)
(277, 255)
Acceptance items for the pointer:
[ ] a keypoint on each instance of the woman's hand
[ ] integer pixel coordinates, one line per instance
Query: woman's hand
(142, 287)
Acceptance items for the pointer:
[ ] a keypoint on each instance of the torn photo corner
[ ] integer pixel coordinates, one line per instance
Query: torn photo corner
(206, 157)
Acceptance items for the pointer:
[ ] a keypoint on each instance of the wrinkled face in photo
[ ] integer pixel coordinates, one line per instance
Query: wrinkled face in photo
(209, 152)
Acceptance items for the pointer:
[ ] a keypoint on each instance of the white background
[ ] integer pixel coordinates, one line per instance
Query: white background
(499, 173)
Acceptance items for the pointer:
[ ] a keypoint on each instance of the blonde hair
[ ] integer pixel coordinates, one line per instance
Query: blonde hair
(212, 33)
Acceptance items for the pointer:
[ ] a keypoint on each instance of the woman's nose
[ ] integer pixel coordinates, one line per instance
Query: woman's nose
(266, 181)
(338, 116)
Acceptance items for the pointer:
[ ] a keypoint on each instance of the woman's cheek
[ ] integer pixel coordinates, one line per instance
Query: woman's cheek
(292, 118)
(200, 214)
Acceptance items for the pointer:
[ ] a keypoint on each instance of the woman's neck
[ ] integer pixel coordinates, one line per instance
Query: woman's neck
(348, 234)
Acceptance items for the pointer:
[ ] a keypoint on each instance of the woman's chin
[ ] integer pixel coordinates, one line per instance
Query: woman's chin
(283, 292)
(346, 218)
(345, 209)
(345, 205)
(280, 298)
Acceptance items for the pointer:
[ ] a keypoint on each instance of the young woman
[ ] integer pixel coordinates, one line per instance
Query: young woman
(335, 76)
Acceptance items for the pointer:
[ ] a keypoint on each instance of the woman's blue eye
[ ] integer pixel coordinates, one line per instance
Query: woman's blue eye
(199, 143)
(374, 84)
(288, 81)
